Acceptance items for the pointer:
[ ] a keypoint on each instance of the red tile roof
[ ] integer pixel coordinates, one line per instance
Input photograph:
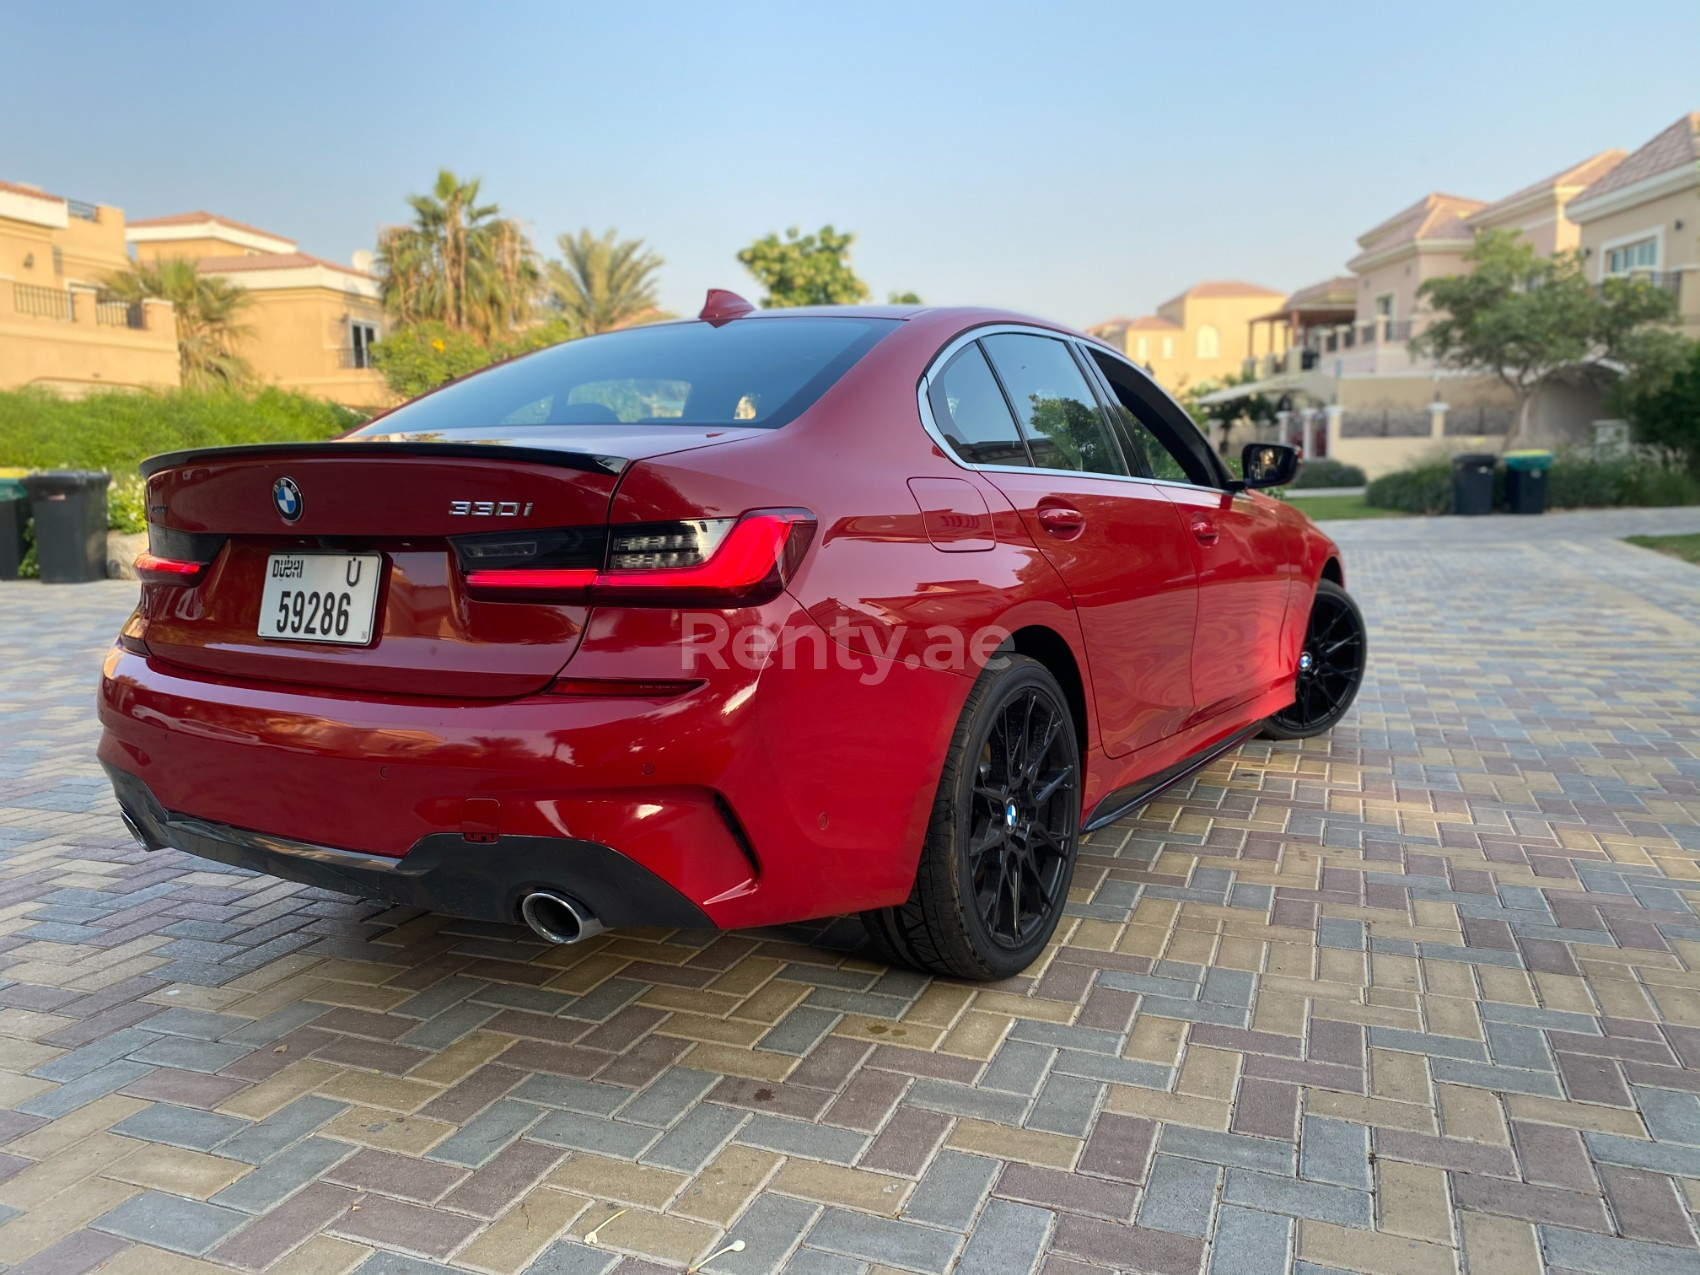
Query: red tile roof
(1434, 216)
(198, 218)
(29, 192)
(1676, 146)
(1340, 292)
(1153, 323)
(1589, 170)
(1228, 288)
(270, 261)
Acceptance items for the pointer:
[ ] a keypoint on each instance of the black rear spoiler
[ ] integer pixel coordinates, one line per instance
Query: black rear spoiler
(397, 447)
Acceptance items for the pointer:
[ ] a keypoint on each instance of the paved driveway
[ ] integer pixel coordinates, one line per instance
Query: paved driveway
(1423, 994)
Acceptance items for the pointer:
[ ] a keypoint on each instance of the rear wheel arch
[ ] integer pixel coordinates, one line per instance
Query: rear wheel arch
(1332, 570)
(1051, 649)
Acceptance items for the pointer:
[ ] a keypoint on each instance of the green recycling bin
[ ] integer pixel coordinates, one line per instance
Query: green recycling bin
(14, 515)
(70, 524)
(1526, 481)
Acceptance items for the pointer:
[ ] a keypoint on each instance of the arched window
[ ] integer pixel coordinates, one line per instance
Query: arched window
(1209, 343)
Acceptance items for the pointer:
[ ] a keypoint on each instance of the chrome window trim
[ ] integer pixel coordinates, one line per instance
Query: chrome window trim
(930, 423)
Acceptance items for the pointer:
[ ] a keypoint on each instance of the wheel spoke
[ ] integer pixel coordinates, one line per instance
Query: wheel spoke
(1055, 782)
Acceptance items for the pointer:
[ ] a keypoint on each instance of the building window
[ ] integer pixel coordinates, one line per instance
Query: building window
(364, 335)
(1209, 343)
(1643, 254)
(1168, 347)
(1143, 348)
(58, 259)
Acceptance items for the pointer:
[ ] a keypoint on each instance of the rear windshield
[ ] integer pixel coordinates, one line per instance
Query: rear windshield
(761, 372)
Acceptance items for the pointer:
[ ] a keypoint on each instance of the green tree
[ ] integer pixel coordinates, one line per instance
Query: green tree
(460, 262)
(1663, 405)
(903, 298)
(805, 269)
(1530, 319)
(603, 283)
(207, 308)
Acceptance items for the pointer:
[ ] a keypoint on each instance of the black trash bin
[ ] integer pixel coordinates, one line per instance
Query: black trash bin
(14, 513)
(1472, 483)
(70, 524)
(1526, 481)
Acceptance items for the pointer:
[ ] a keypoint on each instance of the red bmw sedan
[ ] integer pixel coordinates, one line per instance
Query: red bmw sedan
(747, 619)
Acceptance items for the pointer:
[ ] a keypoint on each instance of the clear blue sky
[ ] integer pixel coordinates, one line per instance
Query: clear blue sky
(1072, 160)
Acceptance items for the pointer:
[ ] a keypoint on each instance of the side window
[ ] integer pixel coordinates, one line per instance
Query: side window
(1171, 446)
(1058, 412)
(970, 411)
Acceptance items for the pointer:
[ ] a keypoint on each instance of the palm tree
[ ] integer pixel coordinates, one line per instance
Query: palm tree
(604, 283)
(206, 308)
(460, 262)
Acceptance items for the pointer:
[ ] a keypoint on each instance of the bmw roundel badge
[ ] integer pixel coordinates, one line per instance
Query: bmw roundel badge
(287, 497)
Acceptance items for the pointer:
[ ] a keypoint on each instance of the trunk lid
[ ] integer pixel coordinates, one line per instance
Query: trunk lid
(405, 500)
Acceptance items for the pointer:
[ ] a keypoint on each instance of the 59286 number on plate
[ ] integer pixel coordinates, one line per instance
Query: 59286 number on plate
(320, 597)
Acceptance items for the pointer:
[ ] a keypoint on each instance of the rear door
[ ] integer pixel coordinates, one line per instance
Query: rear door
(1118, 544)
(1246, 556)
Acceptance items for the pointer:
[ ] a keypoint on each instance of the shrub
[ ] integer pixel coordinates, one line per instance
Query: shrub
(127, 504)
(1326, 472)
(116, 431)
(1422, 489)
(1666, 412)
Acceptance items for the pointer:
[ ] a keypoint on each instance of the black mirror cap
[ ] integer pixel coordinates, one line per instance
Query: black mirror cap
(1269, 464)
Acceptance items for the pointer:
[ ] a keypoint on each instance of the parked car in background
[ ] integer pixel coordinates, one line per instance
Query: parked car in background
(747, 619)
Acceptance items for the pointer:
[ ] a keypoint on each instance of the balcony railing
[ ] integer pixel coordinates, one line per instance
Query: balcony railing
(347, 357)
(43, 303)
(120, 314)
(86, 212)
(1384, 331)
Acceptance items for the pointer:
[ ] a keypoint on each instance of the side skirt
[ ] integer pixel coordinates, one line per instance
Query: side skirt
(1124, 801)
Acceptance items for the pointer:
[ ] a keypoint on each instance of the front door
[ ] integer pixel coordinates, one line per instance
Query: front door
(1240, 548)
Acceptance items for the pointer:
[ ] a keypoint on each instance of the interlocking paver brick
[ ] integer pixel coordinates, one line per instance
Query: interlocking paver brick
(1461, 931)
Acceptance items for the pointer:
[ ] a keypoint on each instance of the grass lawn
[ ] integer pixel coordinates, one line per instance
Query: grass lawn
(1685, 547)
(1326, 508)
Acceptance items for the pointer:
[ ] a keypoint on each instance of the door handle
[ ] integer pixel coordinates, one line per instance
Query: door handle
(1063, 521)
(1204, 530)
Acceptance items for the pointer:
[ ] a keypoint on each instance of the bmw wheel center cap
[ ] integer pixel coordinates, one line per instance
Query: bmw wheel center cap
(286, 496)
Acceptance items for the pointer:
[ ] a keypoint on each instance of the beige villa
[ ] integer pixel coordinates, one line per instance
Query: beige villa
(1336, 355)
(1198, 337)
(58, 331)
(1642, 217)
(311, 323)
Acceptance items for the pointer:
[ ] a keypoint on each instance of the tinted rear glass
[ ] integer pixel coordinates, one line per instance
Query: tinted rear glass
(761, 372)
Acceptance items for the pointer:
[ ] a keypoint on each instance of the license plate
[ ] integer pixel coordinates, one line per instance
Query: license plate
(320, 597)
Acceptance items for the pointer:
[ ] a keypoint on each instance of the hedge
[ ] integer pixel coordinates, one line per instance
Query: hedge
(116, 431)
(1574, 482)
(1327, 472)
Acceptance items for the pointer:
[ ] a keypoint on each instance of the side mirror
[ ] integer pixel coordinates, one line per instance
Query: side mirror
(1268, 465)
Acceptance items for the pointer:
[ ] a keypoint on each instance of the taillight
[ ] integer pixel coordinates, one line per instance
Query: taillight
(718, 562)
(152, 569)
(176, 557)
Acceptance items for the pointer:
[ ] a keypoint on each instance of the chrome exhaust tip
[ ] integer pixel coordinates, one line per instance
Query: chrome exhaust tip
(557, 919)
(135, 830)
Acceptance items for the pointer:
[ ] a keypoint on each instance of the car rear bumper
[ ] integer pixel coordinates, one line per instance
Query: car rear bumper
(440, 873)
(757, 799)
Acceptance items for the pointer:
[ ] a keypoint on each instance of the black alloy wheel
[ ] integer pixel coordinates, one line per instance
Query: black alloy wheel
(1331, 667)
(995, 869)
(1023, 817)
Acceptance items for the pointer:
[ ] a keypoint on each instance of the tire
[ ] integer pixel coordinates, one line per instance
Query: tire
(1001, 815)
(1331, 668)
